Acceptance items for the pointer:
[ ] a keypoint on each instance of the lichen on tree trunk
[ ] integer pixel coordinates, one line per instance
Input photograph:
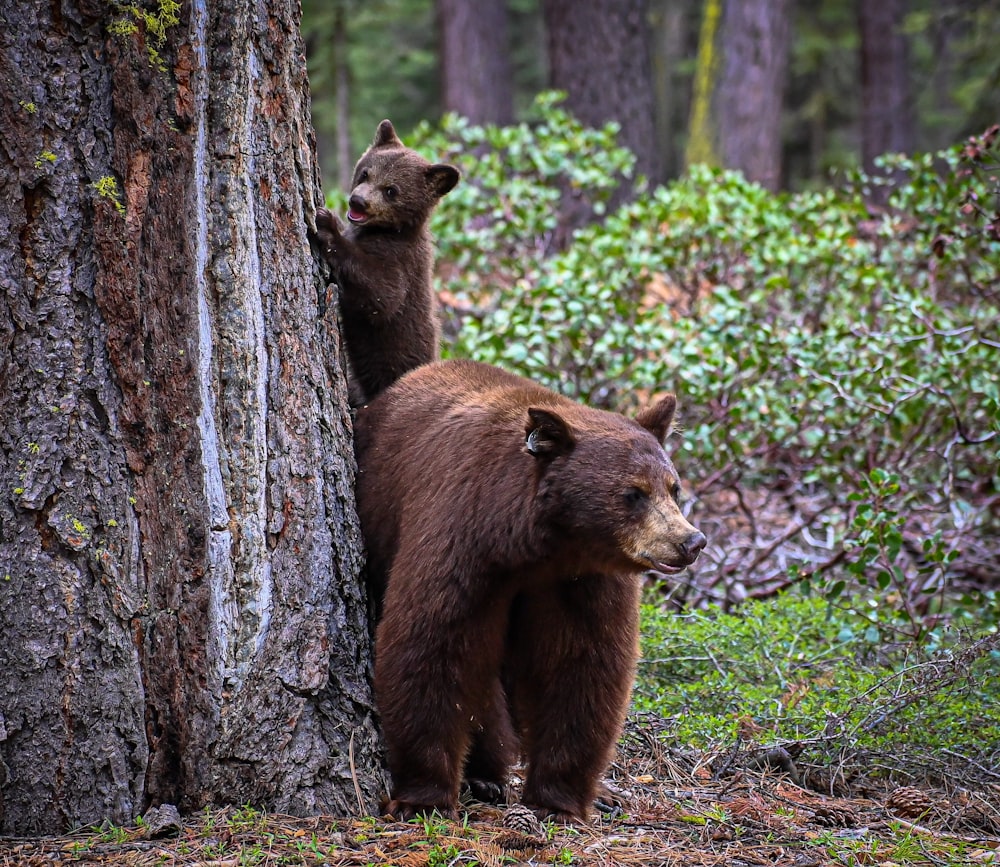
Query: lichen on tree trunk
(179, 552)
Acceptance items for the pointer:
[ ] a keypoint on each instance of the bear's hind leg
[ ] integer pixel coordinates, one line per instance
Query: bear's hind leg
(425, 735)
(437, 658)
(570, 665)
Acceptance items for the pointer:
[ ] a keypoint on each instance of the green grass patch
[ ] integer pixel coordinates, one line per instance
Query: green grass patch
(805, 670)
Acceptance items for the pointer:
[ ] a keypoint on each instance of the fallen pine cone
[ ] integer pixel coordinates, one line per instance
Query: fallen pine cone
(830, 816)
(908, 802)
(525, 829)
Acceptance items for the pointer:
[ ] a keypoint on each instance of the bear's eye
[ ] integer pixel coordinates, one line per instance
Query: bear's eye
(391, 192)
(363, 176)
(635, 497)
(675, 492)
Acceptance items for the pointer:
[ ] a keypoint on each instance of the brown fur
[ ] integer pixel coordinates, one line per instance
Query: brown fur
(507, 527)
(383, 262)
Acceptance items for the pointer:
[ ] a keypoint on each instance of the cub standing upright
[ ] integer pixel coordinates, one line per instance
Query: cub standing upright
(383, 260)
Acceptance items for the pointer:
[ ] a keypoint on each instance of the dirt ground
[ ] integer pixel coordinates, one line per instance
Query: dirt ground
(739, 809)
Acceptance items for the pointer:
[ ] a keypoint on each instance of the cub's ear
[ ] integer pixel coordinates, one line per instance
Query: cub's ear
(442, 178)
(659, 418)
(547, 435)
(385, 136)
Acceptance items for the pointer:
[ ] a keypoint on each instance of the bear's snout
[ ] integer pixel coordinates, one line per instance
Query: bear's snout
(693, 545)
(357, 208)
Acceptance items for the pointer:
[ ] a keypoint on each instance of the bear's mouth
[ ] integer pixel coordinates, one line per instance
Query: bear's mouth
(662, 566)
(356, 216)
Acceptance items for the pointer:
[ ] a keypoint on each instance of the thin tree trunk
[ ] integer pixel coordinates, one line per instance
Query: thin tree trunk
(886, 106)
(179, 551)
(669, 29)
(599, 54)
(476, 77)
(342, 93)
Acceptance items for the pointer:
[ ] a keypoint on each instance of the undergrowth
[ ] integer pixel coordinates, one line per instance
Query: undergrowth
(824, 676)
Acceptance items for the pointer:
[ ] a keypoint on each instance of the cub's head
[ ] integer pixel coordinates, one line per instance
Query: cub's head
(607, 485)
(395, 188)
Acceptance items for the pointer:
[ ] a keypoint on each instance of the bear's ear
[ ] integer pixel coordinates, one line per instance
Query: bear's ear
(659, 418)
(385, 136)
(442, 178)
(547, 435)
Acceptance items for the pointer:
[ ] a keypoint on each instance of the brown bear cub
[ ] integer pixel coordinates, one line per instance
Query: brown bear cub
(507, 529)
(383, 262)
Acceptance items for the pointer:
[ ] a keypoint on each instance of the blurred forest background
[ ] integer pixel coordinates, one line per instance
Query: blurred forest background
(784, 90)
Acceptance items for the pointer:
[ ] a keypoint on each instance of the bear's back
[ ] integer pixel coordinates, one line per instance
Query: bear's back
(443, 451)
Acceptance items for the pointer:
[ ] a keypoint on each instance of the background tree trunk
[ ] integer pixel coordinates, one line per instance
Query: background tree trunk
(181, 613)
(670, 29)
(739, 87)
(476, 76)
(598, 52)
(342, 95)
(886, 104)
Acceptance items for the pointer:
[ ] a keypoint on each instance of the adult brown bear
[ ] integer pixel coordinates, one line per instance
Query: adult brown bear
(507, 528)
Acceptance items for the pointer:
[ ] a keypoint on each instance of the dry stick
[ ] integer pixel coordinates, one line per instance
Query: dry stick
(354, 776)
(784, 537)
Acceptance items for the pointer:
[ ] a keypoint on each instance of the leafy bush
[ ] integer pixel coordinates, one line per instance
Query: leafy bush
(826, 355)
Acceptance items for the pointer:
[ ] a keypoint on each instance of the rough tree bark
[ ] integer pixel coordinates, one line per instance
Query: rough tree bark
(476, 75)
(739, 88)
(179, 553)
(599, 54)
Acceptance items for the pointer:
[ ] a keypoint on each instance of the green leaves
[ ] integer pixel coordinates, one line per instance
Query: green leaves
(809, 339)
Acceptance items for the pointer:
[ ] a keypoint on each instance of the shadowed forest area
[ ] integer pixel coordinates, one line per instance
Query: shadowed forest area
(785, 90)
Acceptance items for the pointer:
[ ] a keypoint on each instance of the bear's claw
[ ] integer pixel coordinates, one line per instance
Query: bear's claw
(403, 811)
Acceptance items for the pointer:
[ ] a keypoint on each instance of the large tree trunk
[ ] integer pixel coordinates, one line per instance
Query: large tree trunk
(474, 56)
(886, 105)
(739, 87)
(179, 553)
(599, 54)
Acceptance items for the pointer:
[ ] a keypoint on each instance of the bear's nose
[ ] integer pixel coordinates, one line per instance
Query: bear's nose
(357, 203)
(693, 545)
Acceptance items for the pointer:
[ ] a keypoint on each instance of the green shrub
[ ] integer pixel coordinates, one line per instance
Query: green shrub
(817, 346)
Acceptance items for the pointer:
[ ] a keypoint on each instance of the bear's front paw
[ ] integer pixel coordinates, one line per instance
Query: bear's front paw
(608, 799)
(487, 791)
(403, 811)
(329, 232)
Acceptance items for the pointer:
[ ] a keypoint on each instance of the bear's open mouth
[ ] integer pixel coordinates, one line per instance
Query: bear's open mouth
(356, 216)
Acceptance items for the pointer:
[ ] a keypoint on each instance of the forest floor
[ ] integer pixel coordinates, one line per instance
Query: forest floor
(679, 808)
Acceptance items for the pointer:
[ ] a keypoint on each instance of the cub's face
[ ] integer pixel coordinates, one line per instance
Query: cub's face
(609, 486)
(394, 188)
